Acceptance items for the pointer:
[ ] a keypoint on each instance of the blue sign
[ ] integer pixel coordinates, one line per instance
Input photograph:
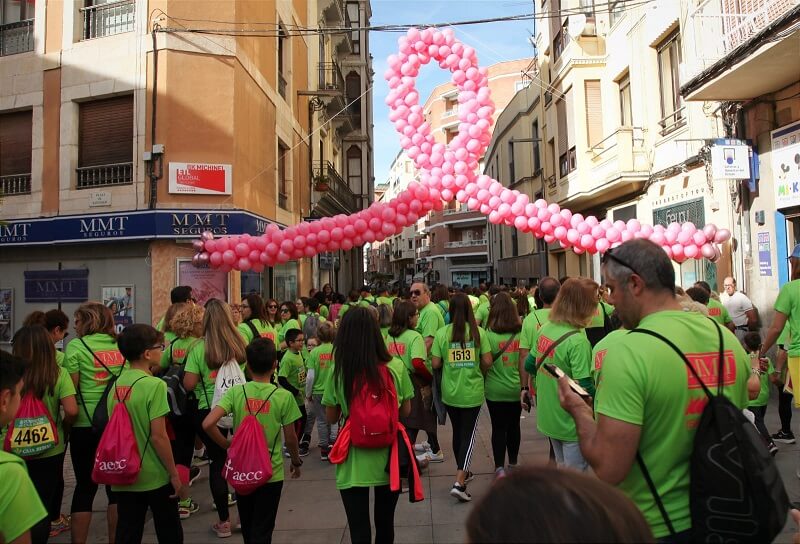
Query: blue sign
(135, 225)
(56, 285)
(764, 254)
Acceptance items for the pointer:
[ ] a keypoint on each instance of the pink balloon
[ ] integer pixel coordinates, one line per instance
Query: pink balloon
(210, 246)
(602, 245)
(708, 251)
(228, 257)
(216, 258)
(244, 264)
(722, 236)
(612, 235)
(691, 251)
(337, 234)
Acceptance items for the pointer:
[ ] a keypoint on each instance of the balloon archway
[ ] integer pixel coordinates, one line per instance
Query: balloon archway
(448, 172)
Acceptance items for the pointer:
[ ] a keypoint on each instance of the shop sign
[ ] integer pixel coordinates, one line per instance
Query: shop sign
(764, 254)
(730, 161)
(692, 211)
(57, 285)
(200, 178)
(786, 165)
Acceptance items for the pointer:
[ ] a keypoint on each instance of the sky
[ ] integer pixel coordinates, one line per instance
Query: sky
(494, 42)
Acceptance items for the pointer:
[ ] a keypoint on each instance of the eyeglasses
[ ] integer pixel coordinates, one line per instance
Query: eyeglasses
(272, 306)
(161, 347)
(610, 255)
(416, 293)
(243, 306)
(285, 310)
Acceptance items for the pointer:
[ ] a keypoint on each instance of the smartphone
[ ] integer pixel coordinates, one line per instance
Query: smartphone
(557, 373)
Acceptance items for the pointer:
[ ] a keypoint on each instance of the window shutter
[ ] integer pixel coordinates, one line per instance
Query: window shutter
(15, 143)
(106, 131)
(570, 101)
(561, 117)
(594, 112)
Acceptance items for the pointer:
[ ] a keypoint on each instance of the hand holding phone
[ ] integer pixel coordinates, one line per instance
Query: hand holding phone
(557, 373)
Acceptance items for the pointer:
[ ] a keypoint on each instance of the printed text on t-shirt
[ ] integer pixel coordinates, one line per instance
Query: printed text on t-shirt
(707, 364)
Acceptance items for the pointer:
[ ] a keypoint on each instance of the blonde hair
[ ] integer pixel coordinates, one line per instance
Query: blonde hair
(185, 319)
(690, 305)
(94, 317)
(172, 311)
(222, 339)
(575, 303)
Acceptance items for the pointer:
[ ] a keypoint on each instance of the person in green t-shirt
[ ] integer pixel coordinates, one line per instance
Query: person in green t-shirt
(646, 401)
(383, 296)
(289, 320)
(716, 310)
(787, 312)
(51, 384)
(504, 381)
(181, 293)
(90, 360)
(319, 369)
(23, 517)
(366, 298)
(57, 324)
(276, 411)
(547, 292)
(766, 372)
(462, 351)
(292, 377)
(158, 484)
(256, 322)
(358, 351)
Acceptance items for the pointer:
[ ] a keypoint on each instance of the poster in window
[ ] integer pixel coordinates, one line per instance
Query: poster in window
(206, 282)
(6, 315)
(120, 299)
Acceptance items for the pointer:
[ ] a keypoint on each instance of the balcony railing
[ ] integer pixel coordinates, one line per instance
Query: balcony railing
(107, 19)
(456, 210)
(337, 188)
(105, 175)
(465, 243)
(15, 184)
(330, 77)
(449, 113)
(16, 38)
(673, 121)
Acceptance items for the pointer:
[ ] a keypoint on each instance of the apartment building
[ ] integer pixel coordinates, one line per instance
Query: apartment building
(129, 127)
(452, 246)
(746, 56)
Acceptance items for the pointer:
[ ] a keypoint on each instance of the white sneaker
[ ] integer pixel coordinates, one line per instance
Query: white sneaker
(460, 492)
(422, 448)
(431, 457)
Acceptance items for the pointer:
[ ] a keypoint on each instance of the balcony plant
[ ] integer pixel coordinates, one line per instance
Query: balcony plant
(321, 182)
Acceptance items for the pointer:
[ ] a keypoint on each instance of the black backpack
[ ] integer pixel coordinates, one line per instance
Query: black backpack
(310, 326)
(736, 493)
(100, 417)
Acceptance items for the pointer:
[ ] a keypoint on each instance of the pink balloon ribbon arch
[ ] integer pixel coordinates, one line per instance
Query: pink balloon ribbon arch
(448, 172)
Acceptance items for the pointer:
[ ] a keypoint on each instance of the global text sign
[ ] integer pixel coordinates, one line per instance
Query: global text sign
(200, 179)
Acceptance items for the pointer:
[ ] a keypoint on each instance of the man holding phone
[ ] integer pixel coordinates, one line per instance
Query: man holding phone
(645, 400)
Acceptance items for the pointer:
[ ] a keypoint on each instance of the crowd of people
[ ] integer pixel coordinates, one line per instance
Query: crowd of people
(597, 363)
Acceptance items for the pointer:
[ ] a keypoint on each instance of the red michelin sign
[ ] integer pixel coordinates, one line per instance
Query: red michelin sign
(200, 178)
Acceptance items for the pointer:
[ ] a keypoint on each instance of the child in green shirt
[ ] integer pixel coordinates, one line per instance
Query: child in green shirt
(763, 367)
(292, 377)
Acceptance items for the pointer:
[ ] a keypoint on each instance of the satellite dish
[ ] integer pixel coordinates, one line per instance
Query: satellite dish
(576, 25)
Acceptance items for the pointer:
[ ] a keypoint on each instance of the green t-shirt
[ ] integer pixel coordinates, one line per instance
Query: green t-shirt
(366, 301)
(366, 467)
(598, 319)
(178, 349)
(530, 328)
(531, 303)
(482, 314)
(265, 330)
(321, 360)
(643, 382)
(718, 312)
(574, 356)
(346, 306)
(384, 300)
(784, 336)
(196, 364)
(429, 322)
(407, 347)
(502, 381)
(289, 325)
(20, 505)
(601, 348)
(294, 370)
(323, 311)
(279, 410)
(788, 303)
(462, 379)
(92, 375)
(146, 401)
(170, 337)
(60, 358)
(763, 394)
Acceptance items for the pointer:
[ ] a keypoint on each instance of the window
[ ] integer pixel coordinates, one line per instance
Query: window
(354, 168)
(566, 148)
(105, 142)
(354, 15)
(353, 93)
(616, 8)
(560, 42)
(511, 173)
(283, 42)
(669, 58)
(539, 245)
(625, 104)
(107, 17)
(594, 112)
(519, 85)
(537, 165)
(16, 141)
(283, 184)
(514, 242)
(16, 26)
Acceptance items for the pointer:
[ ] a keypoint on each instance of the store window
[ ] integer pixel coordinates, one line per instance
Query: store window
(105, 142)
(285, 277)
(252, 283)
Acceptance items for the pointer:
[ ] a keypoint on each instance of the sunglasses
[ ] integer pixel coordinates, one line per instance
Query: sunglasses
(610, 255)
(285, 310)
(416, 293)
(272, 306)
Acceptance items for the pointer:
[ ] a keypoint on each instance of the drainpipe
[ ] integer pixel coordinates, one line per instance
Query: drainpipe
(154, 177)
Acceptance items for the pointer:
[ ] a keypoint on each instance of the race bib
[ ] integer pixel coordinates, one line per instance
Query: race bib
(461, 356)
(301, 376)
(32, 436)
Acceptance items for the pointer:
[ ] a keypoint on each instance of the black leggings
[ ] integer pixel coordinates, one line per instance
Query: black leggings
(505, 430)
(759, 412)
(132, 509)
(465, 425)
(45, 474)
(785, 409)
(219, 487)
(257, 512)
(82, 448)
(356, 506)
(300, 424)
(184, 429)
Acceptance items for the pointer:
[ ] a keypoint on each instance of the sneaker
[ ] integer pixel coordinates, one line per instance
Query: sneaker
(324, 452)
(470, 476)
(422, 448)
(305, 439)
(784, 437)
(187, 508)
(223, 529)
(63, 523)
(460, 492)
(194, 474)
(499, 473)
(510, 468)
(773, 449)
(231, 501)
(200, 460)
(303, 450)
(431, 457)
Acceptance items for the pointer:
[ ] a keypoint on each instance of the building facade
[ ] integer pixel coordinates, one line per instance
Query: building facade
(127, 128)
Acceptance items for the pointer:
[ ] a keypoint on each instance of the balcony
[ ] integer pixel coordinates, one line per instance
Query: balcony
(103, 20)
(15, 184)
(465, 243)
(720, 62)
(16, 38)
(462, 208)
(338, 195)
(452, 112)
(105, 175)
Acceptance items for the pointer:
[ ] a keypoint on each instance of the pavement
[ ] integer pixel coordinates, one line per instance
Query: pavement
(311, 510)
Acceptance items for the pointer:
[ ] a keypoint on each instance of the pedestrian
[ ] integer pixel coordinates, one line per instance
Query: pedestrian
(441, 297)
(273, 315)
(236, 313)
(255, 322)
(701, 292)
(766, 373)
(166, 328)
(562, 342)
(337, 301)
(21, 509)
(181, 293)
(91, 360)
(785, 435)
(632, 415)
(359, 352)
(276, 412)
(221, 344)
(319, 372)
(462, 350)
(546, 292)
(504, 382)
(50, 384)
(158, 484)
(740, 308)
(289, 320)
(57, 324)
(292, 377)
